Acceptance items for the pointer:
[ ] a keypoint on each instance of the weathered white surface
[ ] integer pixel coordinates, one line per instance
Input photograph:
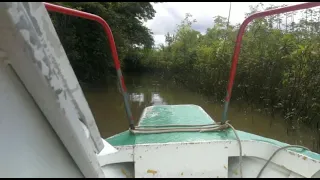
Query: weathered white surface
(108, 149)
(123, 154)
(316, 175)
(252, 166)
(29, 146)
(181, 160)
(119, 170)
(24, 34)
(212, 159)
(69, 79)
(290, 160)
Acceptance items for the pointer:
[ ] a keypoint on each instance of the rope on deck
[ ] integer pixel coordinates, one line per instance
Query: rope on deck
(178, 128)
(189, 128)
(205, 128)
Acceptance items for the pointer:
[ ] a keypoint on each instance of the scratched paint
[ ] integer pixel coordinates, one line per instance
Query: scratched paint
(40, 61)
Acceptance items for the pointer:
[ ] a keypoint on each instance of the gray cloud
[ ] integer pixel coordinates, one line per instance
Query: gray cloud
(162, 24)
(173, 12)
(202, 24)
(166, 23)
(169, 15)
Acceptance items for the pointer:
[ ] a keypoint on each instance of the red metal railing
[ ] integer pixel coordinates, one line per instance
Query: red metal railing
(107, 29)
(239, 39)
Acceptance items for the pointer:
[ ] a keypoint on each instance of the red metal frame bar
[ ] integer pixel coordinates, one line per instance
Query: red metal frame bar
(107, 29)
(239, 39)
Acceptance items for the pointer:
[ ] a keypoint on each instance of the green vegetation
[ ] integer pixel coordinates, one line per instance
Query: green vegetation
(278, 69)
(86, 43)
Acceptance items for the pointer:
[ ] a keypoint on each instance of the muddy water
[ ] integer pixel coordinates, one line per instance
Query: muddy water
(108, 109)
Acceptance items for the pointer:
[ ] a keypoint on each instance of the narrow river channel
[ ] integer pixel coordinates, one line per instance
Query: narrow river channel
(145, 90)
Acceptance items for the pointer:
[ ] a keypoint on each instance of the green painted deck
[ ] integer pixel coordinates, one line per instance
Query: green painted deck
(184, 114)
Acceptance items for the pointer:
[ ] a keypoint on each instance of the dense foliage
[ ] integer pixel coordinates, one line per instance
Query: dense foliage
(278, 69)
(86, 43)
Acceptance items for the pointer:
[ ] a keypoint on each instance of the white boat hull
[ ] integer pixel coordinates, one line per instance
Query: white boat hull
(218, 159)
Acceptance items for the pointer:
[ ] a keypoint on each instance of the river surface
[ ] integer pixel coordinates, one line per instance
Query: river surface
(145, 90)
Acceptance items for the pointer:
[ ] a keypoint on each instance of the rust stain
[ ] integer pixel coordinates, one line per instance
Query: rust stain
(235, 172)
(125, 173)
(182, 174)
(304, 158)
(153, 172)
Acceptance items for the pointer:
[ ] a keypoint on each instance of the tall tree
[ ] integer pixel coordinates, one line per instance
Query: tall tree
(85, 41)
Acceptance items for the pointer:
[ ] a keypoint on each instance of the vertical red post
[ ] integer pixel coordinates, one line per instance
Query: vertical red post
(239, 39)
(107, 29)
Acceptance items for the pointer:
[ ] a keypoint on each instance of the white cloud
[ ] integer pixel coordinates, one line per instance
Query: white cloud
(168, 15)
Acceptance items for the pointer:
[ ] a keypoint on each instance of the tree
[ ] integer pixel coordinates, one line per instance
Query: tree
(85, 41)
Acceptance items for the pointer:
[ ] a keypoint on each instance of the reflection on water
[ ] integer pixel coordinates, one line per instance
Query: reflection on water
(156, 99)
(108, 109)
(135, 97)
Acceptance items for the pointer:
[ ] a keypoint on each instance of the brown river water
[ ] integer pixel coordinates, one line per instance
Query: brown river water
(145, 90)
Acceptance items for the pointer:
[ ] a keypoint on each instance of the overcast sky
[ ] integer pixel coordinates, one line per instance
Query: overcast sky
(168, 15)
